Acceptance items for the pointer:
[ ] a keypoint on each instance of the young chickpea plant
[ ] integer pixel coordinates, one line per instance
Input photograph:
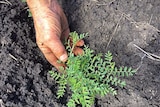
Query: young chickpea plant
(89, 75)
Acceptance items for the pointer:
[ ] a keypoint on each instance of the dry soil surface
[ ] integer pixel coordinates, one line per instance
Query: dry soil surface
(128, 28)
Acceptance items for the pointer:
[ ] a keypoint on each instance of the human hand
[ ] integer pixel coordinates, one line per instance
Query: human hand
(51, 28)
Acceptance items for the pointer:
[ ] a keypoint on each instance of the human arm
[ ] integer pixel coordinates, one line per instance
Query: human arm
(51, 28)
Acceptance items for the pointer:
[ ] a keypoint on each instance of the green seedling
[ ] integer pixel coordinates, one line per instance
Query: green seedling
(89, 75)
(23, 0)
(29, 12)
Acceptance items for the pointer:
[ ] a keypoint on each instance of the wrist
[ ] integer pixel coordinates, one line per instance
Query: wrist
(35, 5)
(40, 2)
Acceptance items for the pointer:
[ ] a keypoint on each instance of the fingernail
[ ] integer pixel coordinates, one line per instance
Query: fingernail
(63, 58)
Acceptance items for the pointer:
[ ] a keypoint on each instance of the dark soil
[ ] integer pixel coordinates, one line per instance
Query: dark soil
(128, 28)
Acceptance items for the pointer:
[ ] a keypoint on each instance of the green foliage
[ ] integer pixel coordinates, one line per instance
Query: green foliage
(89, 75)
(29, 12)
(23, 0)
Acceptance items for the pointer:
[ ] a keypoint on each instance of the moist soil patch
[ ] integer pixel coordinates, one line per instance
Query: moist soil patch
(128, 28)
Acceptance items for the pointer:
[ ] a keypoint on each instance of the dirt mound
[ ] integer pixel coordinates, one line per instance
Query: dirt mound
(128, 28)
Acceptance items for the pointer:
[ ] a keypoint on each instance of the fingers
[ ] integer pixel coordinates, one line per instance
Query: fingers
(57, 48)
(80, 43)
(48, 29)
(78, 51)
(65, 34)
(49, 55)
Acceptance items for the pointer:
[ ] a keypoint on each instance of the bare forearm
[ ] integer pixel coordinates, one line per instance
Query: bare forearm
(39, 2)
(35, 4)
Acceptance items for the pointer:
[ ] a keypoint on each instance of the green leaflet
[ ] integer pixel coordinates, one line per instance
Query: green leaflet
(29, 12)
(23, 0)
(89, 75)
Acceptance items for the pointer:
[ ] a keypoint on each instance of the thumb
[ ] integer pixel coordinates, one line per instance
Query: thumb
(57, 48)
